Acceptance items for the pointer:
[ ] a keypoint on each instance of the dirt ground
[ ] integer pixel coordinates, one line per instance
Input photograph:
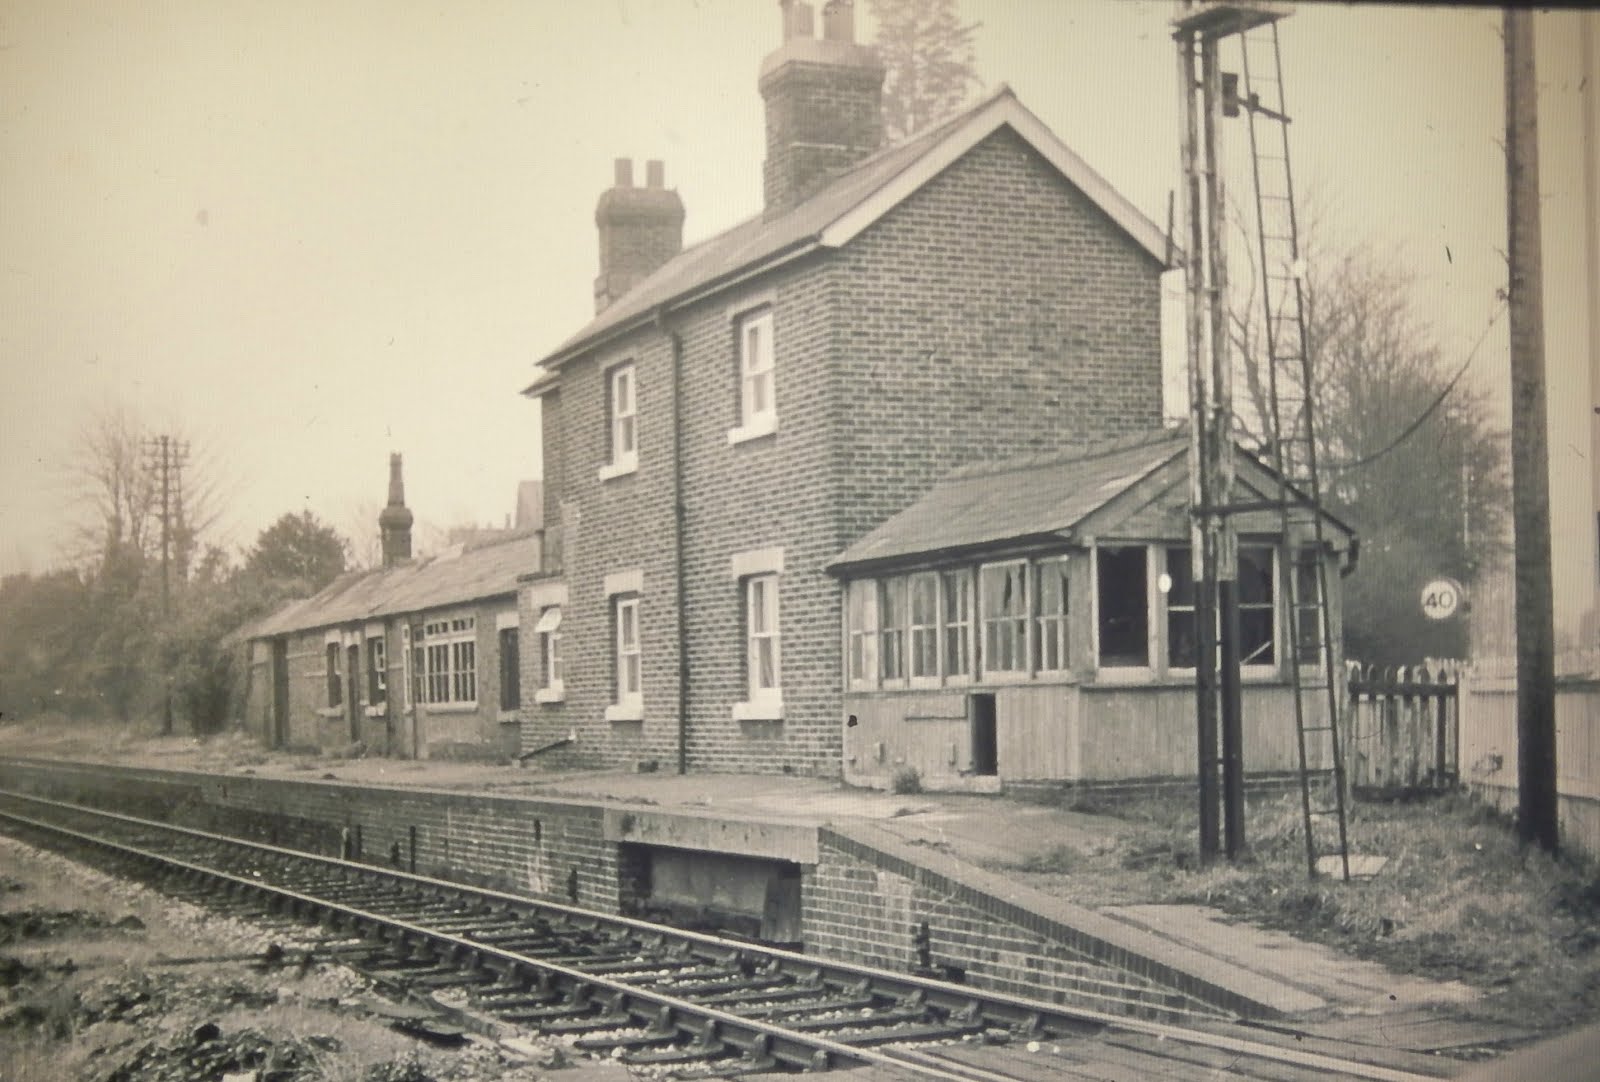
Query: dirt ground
(105, 981)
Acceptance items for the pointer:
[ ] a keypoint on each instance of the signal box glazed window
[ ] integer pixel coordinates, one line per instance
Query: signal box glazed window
(1123, 594)
(1003, 597)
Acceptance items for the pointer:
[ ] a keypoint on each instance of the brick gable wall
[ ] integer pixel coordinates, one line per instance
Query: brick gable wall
(995, 312)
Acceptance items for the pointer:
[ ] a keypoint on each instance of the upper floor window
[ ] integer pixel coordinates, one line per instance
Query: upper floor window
(758, 414)
(755, 368)
(622, 397)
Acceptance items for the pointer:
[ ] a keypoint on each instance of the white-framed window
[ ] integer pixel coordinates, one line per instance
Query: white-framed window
(1050, 610)
(923, 653)
(1183, 633)
(450, 661)
(956, 598)
(623, 408)
(862, 621)
(548, 632)
(628, 654)
(763, 654)
(1122, 597)
(893, 615)
(377, 670)
(1302, 607)
(756, 369)
(510, 668)
(1258, 607)
(335, 675)
(1003, 601)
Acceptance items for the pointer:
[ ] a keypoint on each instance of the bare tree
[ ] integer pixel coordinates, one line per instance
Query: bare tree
(1406, 448)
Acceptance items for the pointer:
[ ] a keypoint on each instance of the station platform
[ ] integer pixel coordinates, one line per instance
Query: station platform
(966, 839)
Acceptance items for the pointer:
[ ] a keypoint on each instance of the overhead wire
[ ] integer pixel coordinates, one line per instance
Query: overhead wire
(1421, 419)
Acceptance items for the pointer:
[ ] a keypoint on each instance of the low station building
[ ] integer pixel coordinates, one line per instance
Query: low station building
(417, 658)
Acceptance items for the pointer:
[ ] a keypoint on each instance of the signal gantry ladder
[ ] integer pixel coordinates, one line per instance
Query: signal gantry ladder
(1292, 429)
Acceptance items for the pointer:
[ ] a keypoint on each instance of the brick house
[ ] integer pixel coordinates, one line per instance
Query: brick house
(739, 412)
(417, 658)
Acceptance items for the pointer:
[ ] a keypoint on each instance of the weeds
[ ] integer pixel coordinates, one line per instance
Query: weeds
(906, 781)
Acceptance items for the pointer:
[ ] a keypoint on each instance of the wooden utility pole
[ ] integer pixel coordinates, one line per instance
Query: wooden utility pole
(1530, 459)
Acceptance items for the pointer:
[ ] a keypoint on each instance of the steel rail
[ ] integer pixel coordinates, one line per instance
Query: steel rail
(1016, 1013)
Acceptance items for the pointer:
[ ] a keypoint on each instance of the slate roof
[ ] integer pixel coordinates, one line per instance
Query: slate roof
(841, 209)
(452, 577)
(985, 505)
(1016, 500)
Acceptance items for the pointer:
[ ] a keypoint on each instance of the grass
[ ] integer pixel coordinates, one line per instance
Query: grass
(1460, 897)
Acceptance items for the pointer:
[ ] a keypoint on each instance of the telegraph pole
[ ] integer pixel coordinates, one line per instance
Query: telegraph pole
(166, 460)
(1537, 818)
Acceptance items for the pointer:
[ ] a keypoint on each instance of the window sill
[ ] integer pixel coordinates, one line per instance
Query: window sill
(330, 711)
(764, 425)
(377, 711)
(629, 711)
(619, 469)
(508, 717)
(555, 694)
(768, 709)
(450, 708)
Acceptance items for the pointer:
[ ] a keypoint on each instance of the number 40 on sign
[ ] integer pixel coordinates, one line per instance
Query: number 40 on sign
(1441, 599)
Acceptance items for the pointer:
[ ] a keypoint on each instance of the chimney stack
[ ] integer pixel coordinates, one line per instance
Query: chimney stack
(394, 521)
(824, 103)
(640, 229)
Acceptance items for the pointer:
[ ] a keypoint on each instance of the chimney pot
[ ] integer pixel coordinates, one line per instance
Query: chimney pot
(839, 21)
(624, 172)
(655, 174)
(797, 19)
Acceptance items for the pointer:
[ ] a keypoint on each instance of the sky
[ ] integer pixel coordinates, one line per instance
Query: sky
(304, 235)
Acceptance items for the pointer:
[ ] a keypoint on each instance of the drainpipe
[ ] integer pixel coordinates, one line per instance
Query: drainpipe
(675, 339)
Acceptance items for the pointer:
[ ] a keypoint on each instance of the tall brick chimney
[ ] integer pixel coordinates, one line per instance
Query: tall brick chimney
(824, 102)
(640, 229)
(394, 521)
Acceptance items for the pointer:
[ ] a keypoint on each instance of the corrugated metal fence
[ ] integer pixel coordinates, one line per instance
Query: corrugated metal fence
(1403, 726)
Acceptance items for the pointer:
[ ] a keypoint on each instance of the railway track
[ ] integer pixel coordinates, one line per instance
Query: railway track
(682, 1003)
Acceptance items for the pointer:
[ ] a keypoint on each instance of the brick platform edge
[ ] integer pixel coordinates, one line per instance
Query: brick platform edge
(949, 890)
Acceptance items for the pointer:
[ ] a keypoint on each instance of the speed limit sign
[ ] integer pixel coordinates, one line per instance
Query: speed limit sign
(1441, 599)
